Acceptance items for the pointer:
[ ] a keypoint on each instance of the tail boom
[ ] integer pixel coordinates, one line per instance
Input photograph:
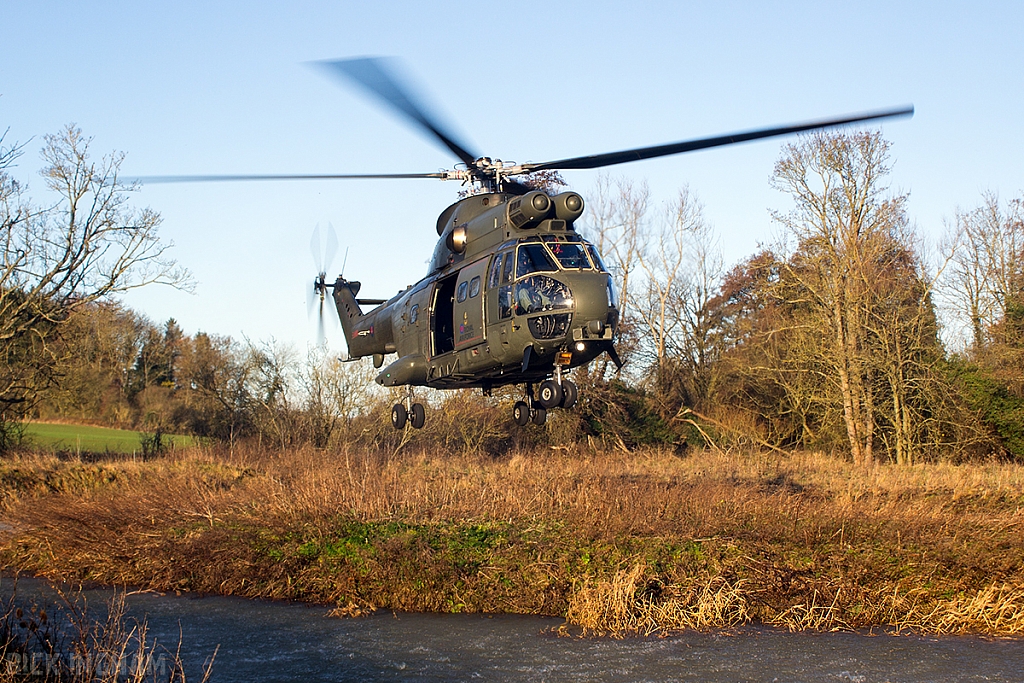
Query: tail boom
(365, 334)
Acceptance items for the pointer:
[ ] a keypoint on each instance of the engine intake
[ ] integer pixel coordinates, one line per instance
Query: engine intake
(568, 206)
(456, 239)
(529, 209)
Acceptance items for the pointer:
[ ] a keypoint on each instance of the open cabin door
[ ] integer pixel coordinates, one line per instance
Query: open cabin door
(442, 337)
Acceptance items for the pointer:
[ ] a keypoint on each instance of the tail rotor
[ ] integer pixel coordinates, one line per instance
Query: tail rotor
(324, 247)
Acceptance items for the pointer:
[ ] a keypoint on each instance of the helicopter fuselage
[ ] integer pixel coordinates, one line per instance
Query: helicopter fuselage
(513, 296)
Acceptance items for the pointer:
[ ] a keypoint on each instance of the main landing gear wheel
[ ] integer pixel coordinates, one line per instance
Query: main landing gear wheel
(521, 413)
(539, 416)
(418, 416)
(550, 394)
(570, 393)
(399, 416)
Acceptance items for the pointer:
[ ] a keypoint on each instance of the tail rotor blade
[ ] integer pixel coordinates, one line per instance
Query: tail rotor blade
(331, 250)
(321, 336)
(316, 248)
(311, 296)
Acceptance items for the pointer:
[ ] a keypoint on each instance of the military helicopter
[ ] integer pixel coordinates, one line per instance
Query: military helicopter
(514, 295)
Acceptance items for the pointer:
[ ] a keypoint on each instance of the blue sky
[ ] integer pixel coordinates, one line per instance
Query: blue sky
(211, 87)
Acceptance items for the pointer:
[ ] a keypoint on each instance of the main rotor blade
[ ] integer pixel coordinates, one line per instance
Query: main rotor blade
(146, 179)
(373, 74)
(612, 158)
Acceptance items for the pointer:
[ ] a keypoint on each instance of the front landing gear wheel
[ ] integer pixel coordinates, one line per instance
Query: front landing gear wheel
(570, 393)
(550, 394)
(418, 416)
(521, 413)
(539, 416)
(399, 415)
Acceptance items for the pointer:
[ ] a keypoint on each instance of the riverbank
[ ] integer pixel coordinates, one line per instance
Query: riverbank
(615, 542)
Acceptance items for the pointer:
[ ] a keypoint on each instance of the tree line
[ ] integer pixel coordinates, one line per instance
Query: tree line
(845, 336)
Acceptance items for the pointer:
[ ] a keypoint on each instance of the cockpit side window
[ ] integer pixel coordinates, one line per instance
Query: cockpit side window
(492, 279)
(506, 268)
(533, 258)
(596, 258)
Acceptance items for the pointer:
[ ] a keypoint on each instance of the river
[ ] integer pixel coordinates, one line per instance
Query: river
(278, 641)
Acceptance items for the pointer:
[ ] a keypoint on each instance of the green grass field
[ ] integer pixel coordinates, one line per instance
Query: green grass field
(83, 438)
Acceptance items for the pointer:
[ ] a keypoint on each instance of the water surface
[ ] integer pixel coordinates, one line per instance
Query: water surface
(277, 641)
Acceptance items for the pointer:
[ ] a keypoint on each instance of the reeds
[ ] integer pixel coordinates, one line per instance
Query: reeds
(634, 602)
(67, 641)
(997, 608)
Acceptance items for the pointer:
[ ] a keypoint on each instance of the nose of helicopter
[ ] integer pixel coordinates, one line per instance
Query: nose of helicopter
(596, 316)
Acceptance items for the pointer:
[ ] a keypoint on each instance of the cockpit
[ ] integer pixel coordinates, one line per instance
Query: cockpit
(549, 253)
(520, 273)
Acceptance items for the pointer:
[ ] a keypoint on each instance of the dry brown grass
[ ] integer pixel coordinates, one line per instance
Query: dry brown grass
(619, 542)
(633, 602)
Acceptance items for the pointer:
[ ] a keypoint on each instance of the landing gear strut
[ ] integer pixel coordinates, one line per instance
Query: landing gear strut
(407, 411)
(538, 413)
(558, 392)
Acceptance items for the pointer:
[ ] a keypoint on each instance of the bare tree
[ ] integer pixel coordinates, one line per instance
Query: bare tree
(903, 335)
(661, 256)
(682, 268)
(844, 221)
(987, 275)
(770, 363)
(269, 370)
(699, 340)
(87, 245)
(12, 210)
(335, 391)
(617, 220)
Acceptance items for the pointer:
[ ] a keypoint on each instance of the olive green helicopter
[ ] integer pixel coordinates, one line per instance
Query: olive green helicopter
(514, 295)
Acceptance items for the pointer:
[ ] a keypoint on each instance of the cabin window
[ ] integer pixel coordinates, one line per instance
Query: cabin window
(462, 292)
(474, 287)
(533, 258)
(492, 280)
(414, 314)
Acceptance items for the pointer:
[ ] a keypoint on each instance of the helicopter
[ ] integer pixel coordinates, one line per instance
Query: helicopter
(514, 294)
